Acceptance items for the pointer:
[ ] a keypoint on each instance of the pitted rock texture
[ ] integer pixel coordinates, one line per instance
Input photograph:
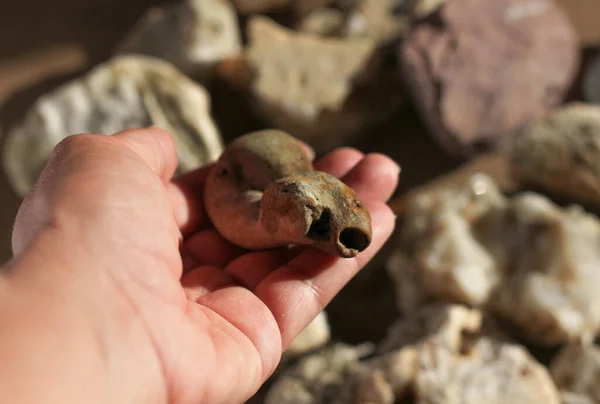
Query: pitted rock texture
(127, 92)
(439, 354)
(323, 90)
(479, 69)
(560, 154)
(265, 184)
(193, 35)
(523, 258)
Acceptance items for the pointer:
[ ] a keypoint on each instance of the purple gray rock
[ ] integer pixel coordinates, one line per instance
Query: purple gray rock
(322, 90)
(479, 69)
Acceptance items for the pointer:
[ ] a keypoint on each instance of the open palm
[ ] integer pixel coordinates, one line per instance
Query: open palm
(216, 316)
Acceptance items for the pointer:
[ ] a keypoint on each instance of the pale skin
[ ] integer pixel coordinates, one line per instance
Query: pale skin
(121, 292)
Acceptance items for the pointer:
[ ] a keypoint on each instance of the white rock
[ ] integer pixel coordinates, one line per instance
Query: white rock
(522, 257)
(319, 377)
(193, 35)
(124, 93)
(576, 371)
(441, 354)
(322, 90)
(458, 361)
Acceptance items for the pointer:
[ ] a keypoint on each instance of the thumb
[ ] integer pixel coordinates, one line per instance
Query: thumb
(83, 168)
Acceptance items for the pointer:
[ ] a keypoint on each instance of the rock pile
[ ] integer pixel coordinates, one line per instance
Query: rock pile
(496, 277)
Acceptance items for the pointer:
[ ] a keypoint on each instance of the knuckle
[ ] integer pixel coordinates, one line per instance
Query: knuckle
(73, 143)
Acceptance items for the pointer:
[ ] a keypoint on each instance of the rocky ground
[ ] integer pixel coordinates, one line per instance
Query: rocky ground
(489, 288)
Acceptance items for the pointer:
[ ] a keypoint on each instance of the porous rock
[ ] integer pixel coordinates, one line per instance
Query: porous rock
(322, 90)
(439, 354)
(458, 360)
(375, 19)
(193, 35)
(324, 21)
(124, 93)
(560, 153)
(576, 372)
(524, 258)
(479, 69)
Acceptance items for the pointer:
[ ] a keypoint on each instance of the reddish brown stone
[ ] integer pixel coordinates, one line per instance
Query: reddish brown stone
(479, 69)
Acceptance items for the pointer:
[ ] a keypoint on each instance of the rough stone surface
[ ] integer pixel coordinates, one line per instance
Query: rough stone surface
(440, 354)
(375, 19)
(456, 360)
(524, 258)
(193, 35)
(322, 90)
(561, 154)
(265, 184)
(318, 378)
(124, 93)
(478, 69)
(576, 372)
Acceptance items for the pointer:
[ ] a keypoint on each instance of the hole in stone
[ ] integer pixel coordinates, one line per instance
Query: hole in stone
(320, 228)
(354, 239)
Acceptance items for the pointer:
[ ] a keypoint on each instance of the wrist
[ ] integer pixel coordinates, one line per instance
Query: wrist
(74, 336)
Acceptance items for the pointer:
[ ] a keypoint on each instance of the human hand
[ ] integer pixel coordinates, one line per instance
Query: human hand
(183, 315)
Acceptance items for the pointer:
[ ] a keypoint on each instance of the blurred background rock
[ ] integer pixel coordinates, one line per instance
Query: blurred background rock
(443, 108)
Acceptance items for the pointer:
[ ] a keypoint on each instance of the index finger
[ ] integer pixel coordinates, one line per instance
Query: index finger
(186, 194)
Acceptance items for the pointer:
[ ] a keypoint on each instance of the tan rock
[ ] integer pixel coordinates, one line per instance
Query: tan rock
(477, 70)
(576, 371)
(124, 93)
(375, 19)
(522, 257)
(457, 361)
(441, 354)
(322, 90)
(571, 398)
(318, 378)
(560, 153)
(193, 35)
(422, 8)
(324, 22)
